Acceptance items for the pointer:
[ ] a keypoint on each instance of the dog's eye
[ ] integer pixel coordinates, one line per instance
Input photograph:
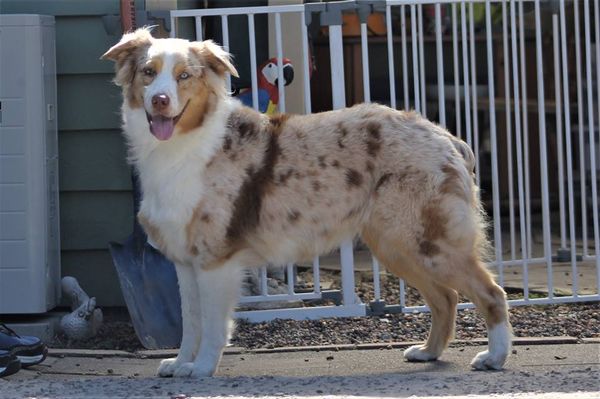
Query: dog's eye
(149, 72)
(183, 76)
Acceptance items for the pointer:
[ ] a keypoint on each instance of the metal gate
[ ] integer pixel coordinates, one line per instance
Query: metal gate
(535, 149)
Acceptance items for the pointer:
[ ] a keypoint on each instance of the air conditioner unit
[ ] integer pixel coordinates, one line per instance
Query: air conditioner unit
(29, 222)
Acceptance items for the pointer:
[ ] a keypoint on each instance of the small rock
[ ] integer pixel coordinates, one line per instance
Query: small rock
(557, 357)
(110, 371)
(514, 351)
(329, 358)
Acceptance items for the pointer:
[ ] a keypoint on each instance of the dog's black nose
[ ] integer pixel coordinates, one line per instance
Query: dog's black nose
(160, 102)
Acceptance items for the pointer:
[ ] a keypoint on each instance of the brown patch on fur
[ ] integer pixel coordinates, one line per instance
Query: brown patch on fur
(247, 206)
(205, 218)
(452, 184)
(321, 160)
(370, 167)
(316, 185)
(335, 163)
(343, 132)
(277, 121)
(434, 222)
(373, 140)
(202, 101)
(428, 248)
(353, 178)
(283, 177)
(382, 180)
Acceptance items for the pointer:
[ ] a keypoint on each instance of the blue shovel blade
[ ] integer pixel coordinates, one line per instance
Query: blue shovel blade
(149, 285)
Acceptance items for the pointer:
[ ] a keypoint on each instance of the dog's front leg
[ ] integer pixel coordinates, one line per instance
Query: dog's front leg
(190, 315)
(219, 292)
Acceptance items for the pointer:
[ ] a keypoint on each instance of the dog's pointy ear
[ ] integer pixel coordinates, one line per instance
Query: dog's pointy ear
(129, 42)
(214, 57)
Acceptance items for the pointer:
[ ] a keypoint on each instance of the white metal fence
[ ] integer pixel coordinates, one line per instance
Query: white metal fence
(532, 121)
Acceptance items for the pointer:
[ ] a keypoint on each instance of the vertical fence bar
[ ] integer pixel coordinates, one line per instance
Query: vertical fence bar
(559, 137)
(474, 92)
(225, 32)
(509, 169)
(465, 55)
(597, 25)
(390, 50)
(456, 72)
(402, 294)
(316, 275)
(336, 53)
(376, 280)
(305, 65)
(198, 22)
(440, 64)
(525, 129)
(404, 58)
(264, 288)
(415, 55)
(422, 60)
(591, 134)
(290, 278)
(567, 110)
(580, 118)
(519, 150)
(494, 144)
(543, 155)
(364, 47)
(253, 72)
(280, 81)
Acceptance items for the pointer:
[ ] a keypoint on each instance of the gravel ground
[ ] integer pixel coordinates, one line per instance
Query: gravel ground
(575, 320)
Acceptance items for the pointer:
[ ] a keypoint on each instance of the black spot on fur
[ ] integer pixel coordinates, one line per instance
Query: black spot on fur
(293, 216)
(382, 180)
(283, 177)
(353, 178)
(227, 144)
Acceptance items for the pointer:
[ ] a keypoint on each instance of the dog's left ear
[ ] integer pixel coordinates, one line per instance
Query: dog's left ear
(215, 57)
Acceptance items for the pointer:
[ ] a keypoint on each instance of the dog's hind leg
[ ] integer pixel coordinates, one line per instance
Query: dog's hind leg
(442, 302)
(190, 339)
(489, 298)
(219, 290)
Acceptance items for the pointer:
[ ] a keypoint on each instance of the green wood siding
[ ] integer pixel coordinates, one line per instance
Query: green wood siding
(95, 184)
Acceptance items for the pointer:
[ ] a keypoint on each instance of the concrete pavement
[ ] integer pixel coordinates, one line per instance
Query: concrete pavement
(566, 371)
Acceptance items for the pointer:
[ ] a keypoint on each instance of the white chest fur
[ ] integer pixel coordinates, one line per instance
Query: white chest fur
(171, 172)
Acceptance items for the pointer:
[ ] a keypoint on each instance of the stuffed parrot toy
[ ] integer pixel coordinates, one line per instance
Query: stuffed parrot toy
(268, 93)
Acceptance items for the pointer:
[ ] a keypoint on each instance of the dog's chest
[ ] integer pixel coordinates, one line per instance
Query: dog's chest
(170, 194)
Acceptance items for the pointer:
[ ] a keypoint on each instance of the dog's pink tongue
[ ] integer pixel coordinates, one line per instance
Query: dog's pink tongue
(161, 127)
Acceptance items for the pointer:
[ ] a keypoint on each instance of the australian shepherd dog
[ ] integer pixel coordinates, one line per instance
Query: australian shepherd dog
(226, 188)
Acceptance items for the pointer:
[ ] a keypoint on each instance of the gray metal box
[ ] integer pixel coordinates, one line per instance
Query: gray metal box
(29, 222)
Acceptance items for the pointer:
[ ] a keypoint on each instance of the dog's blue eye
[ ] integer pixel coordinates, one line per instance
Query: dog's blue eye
(184, 75)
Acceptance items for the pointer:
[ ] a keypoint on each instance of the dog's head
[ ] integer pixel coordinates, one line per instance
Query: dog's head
(176, 82)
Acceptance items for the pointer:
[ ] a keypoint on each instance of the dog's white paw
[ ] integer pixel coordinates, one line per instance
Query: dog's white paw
(487, 360)
(193, 370)
(167, 367)
(418, 353)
